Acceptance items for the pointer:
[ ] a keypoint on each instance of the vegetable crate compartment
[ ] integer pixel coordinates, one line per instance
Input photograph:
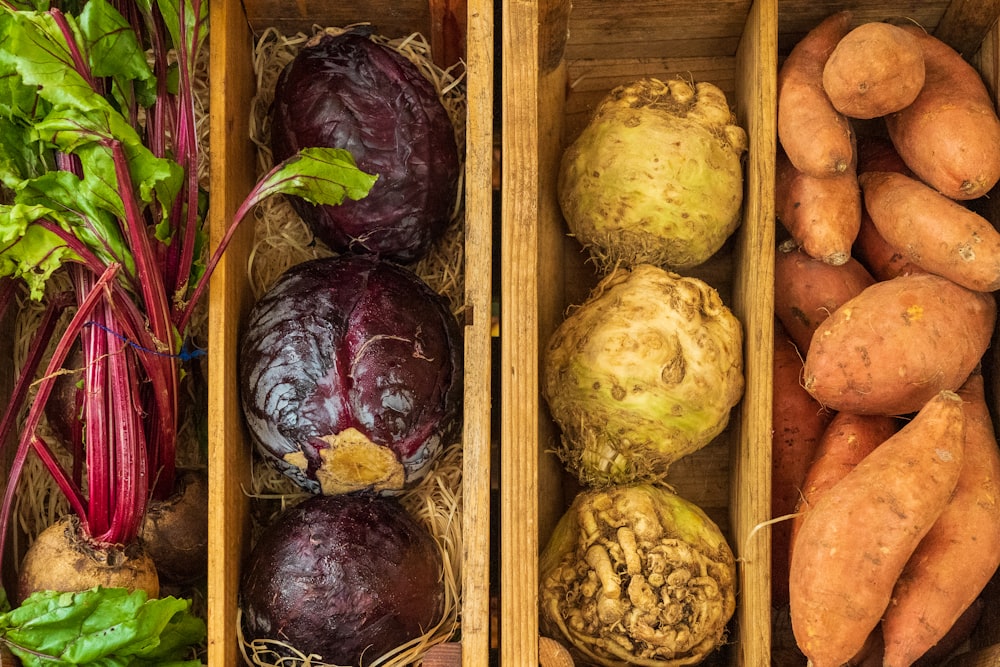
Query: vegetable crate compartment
(559, 60)
(460, 39)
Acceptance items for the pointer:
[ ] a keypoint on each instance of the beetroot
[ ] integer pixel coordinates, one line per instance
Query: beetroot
(348, 91)
(347, 578)
(351, 375)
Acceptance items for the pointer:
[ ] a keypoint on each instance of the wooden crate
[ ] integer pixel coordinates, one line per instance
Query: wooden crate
(558, 59)
(456, 30)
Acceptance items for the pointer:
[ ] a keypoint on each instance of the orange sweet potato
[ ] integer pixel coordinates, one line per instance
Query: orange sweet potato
(934, 232)
(957, 558)
(807, 290)
(949, 134)
(897, 344)
(847, 440)
(876, 69)
(855, 540)
(819, 139)
(877, 153)
(798, 423)
(822, 215)
(882, 260)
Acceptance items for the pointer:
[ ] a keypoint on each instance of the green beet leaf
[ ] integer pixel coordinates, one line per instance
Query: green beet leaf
(102, 627)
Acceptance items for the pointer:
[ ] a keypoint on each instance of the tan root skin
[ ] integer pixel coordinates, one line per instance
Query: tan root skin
(818, 139)
(897, 344)
(876, 69)
(61, 560)
(352, 462)
(949, 134)
(854, 542)
(656, 176)
(627, 580)
(175, 531)
(957, 558)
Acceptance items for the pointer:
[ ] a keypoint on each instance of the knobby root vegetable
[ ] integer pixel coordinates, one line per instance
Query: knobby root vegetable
(645, 371)
(847, 440)
(957, 558)
(932, 231)
(656, 176)
(798, 423)
(822, 215)
(855, 540)
(637, 575)
(876, 69)
(807, 290)
(897, 344)
(819, 139)
(948, 135)
(62, 559)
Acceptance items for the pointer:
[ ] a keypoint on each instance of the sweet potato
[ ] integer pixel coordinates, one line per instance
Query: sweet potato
(847, 440)
(933, 231)
(807, 290)
(956, 559)
(949, 134)
(957, 635)
(876, 69)
(819, 139)
(882, 260)
(897, 344)
(798, 423)
(855, 540)
(822, 215)
(877, 153)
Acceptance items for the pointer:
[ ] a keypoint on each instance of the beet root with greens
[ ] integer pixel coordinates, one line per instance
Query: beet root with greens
(347, 578)
(351, 375)
(348, 91)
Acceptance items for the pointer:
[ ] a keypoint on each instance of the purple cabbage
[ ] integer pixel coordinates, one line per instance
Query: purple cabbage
(347, 91)
(351, 375)
(347, 578)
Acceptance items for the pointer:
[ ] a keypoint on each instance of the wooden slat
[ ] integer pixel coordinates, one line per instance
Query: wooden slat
(753, 303)
(476, 536)
(966, 22)
(390, 17)
(232, 176)
(518, 626)
(532, 113)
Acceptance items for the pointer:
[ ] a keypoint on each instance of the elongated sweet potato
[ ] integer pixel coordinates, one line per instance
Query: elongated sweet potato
(933, 231)
(798, 423)
(819, 139)
(822, 215)
(807, 290)
(855, 540)
(957, 558)
(847, 440)
(948, 135)
(897, 344)
(882, 260)
(876, 69)
(845, 443)
(876, 152)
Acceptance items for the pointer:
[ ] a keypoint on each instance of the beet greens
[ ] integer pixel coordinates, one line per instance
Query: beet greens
(99, 159)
